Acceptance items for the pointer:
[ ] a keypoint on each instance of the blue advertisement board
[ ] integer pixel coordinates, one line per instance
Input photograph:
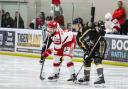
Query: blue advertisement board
(7, 41)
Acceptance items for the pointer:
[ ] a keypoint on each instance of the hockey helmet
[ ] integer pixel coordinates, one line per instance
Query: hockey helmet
(48, 18)
(78, 20)
(52, 24)
(108, 17)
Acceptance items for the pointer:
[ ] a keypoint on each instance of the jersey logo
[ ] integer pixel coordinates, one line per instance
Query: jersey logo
(56, 39)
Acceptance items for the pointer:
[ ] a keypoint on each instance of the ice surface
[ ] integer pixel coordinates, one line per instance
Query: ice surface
(23, 73)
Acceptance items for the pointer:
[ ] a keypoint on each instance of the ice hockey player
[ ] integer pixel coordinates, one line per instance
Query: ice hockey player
(89, 38)
(64, 43)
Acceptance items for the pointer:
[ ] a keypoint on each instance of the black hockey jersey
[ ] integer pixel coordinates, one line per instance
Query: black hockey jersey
(87, 39)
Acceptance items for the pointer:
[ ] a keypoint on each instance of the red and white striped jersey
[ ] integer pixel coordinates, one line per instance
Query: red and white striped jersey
(62, 37)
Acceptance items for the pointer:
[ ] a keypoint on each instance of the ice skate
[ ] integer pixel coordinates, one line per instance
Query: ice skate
(72, 78)
(54, 77)
(84, 80)
(99, 83)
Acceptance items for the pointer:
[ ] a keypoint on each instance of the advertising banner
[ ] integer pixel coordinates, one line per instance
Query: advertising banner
(1, 38)
(117, 49)
(29, 41)
(78, 52)
(7, 41)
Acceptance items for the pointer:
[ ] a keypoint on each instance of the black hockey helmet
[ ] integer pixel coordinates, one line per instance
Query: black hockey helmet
(77, 20)
(49, 18)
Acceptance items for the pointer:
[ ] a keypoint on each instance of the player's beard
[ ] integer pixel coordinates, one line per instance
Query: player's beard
(79, 28)
(76, 27)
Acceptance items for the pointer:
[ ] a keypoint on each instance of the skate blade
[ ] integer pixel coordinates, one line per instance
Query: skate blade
(100, 85)
(54, 80)
(42, 78)
(75, 81)
(83, 83)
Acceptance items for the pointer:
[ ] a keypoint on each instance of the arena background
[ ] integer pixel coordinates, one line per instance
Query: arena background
(30, 9)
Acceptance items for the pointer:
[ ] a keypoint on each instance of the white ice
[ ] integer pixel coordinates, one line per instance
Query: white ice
(23, 73)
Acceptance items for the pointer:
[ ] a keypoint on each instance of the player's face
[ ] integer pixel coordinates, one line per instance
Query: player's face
(119, 4)
(51, 30)
(76, 27)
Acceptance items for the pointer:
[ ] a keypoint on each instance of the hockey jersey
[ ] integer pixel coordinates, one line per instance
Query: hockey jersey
(87, 39)
(61, 38)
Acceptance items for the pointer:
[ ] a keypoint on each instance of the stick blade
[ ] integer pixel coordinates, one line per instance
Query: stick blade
(42, 78)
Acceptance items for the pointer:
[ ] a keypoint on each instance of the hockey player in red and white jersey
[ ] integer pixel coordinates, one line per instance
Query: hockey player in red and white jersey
(64, 43)
(112, 26)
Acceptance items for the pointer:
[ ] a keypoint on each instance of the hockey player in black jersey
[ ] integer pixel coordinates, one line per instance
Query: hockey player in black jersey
(91, 40)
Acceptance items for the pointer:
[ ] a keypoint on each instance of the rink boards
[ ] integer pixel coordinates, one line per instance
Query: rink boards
(23, 42)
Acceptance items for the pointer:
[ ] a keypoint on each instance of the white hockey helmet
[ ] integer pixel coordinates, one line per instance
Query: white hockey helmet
(108, 17)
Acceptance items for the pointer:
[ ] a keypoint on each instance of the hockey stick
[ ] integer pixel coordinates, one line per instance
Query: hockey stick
(73, 9)
(41, 77)
(44, 35)
(79, 70)
(89, 54)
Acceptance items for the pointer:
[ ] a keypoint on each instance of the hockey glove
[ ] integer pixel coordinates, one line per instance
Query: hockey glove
(42, 59)
(86, 53)
(85, 57)
(47, 53)
(87, 60)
